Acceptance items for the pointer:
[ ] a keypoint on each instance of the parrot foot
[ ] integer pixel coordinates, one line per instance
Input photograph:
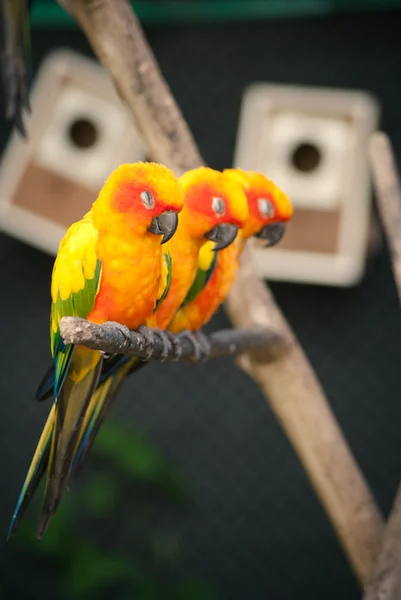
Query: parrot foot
(175, 343)
(149, 339)
(171, 346)
(200, 343)
(169, 342)
(125, 335)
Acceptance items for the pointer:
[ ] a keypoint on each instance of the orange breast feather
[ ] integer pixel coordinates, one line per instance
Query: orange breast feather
(130, 279)
(184, 251)
(197, 313)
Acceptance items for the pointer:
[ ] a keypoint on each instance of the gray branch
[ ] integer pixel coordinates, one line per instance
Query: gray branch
(113, 338)
(388, 193)
(385, 583)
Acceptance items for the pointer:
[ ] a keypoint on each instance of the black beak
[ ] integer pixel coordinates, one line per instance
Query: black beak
(223, 234)
(272, 233)
(165, 225)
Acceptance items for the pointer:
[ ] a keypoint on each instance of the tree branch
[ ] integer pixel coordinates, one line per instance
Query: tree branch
(113, 338)
(388, 193)
(299, 403)
(289, 383)
(112, 28)
(385, 582)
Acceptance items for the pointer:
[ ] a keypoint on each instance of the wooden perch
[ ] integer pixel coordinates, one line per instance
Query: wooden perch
(388, 193)
(385, 583)
(112, 28)
(299, 403)
(289, 383)
(113, 338)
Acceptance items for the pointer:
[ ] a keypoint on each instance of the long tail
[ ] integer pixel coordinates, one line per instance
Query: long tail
(46, 386)
(114, 371)
(15, 55)
(110, 366)
(36, 471)
(55, 451)
(71, 428)
(70, 408)
(100, 406)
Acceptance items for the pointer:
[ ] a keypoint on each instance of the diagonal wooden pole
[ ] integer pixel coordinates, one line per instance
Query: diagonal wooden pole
(385, 581)
(290, 385)
(388, 193)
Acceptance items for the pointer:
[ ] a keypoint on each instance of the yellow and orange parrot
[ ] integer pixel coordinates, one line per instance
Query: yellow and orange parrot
(269, 210)
(215, 207)
(108, 268)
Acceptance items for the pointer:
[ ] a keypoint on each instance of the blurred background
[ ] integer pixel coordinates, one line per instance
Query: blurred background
(192, 490)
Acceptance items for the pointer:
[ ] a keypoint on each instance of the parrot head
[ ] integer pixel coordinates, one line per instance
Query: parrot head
(215, 208)
(269, 207)
(145, 197)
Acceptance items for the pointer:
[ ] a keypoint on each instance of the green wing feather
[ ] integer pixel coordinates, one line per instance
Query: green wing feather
(112, 377)
(75, 284)
(206, 265)
(168, 269)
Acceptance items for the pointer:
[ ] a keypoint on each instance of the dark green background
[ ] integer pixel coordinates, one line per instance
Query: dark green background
(48, 12)
(203, 497)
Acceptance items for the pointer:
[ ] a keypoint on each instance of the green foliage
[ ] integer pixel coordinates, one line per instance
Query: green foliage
(102, 495)
(87, 566)
(91, 570)
(194, 589)
(137, 459)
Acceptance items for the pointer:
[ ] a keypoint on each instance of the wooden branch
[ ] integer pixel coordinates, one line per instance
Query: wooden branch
(113, 338)
(385, 583)
(299, 403)
(137, 79)
(289, 384)
(388, 193)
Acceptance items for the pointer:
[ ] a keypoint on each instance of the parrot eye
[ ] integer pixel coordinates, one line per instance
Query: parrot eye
(147, 199)
(218, 206)
(265, 207)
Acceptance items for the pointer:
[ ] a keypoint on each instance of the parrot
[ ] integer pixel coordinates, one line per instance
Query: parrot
(108, 268)
(269, 210)
(214, 209)
(15, 54)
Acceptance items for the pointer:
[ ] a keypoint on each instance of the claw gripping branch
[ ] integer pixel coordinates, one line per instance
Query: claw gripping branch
(154, 344)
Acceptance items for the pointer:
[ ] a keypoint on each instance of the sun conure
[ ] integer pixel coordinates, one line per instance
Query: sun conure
(269, 210)
(214, 208)
(108, 268)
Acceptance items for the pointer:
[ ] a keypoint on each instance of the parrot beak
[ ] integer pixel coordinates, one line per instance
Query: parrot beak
(272, 233)
(165, 225)
(223, 234)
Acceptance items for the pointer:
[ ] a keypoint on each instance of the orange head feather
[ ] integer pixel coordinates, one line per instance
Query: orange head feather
(267, 202)
(135, 194)
(210, 200)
